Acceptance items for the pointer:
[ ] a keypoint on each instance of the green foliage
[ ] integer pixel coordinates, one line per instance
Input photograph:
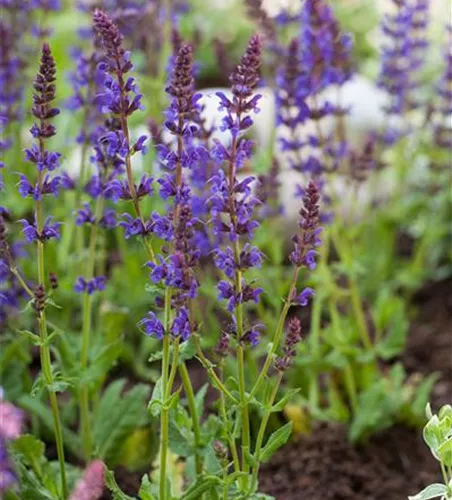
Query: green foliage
(275, 441)
(118, 413)
(438, 436)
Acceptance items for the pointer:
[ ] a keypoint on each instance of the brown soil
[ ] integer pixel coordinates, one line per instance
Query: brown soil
(324, 466)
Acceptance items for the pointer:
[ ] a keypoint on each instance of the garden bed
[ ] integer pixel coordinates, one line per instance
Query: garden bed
(325, 466)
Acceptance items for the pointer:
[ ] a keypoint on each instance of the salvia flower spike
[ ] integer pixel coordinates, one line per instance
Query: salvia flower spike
(42, 229)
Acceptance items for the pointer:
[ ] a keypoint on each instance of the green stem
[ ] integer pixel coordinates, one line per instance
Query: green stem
(261, 433)
(46, 366)
(188, 387)
(246, 440)
(345, 255)
(277, 337)
(358, 310)
(315, 341)
(231, 441)
(211, 372)
(350, 385)
(46, 363)
(164, 420)
(85, 417)
(444, 472)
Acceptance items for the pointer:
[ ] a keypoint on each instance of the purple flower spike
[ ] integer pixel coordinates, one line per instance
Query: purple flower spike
(152, 326)
(85, 216)
(181, 325)
(303, 298)
(293, 337)
(48, 231)
(252, 336)
(402, 58)
(97, 283)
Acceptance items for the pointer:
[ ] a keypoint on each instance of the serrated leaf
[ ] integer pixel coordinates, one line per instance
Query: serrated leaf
(116, 417)
(187, 351)
(112, 485)
(147, 489)
(31, 451)
(275, 441)
(179, 439)
(432, 491)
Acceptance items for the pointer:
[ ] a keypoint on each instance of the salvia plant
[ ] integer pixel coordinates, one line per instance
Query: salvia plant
(438, 436)
(162, 307)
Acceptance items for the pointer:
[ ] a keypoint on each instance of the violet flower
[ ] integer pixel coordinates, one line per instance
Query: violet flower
(305, 243)
(46, 161)
(443, 108)
(90, 286)
(119, 97)
(293, 337)
(232, 202)
(11, 89)
(175, 267)
(11, 291)
(402, 58)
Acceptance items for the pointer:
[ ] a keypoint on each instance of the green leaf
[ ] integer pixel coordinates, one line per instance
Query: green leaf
(445, 452)
(30, 450)
(102, 362)
(32, 337)
(432, 434)
(116, 416)
(187, 351)
(251, 459)
(275, 441)
(112, 485)
(432, 491)
(42, 411)
(147, 490)
(200, 486)
(179, 439)
(199, 400)
(156, 403)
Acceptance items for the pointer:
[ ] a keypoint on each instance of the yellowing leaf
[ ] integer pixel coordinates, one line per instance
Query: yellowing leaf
(299, 418)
